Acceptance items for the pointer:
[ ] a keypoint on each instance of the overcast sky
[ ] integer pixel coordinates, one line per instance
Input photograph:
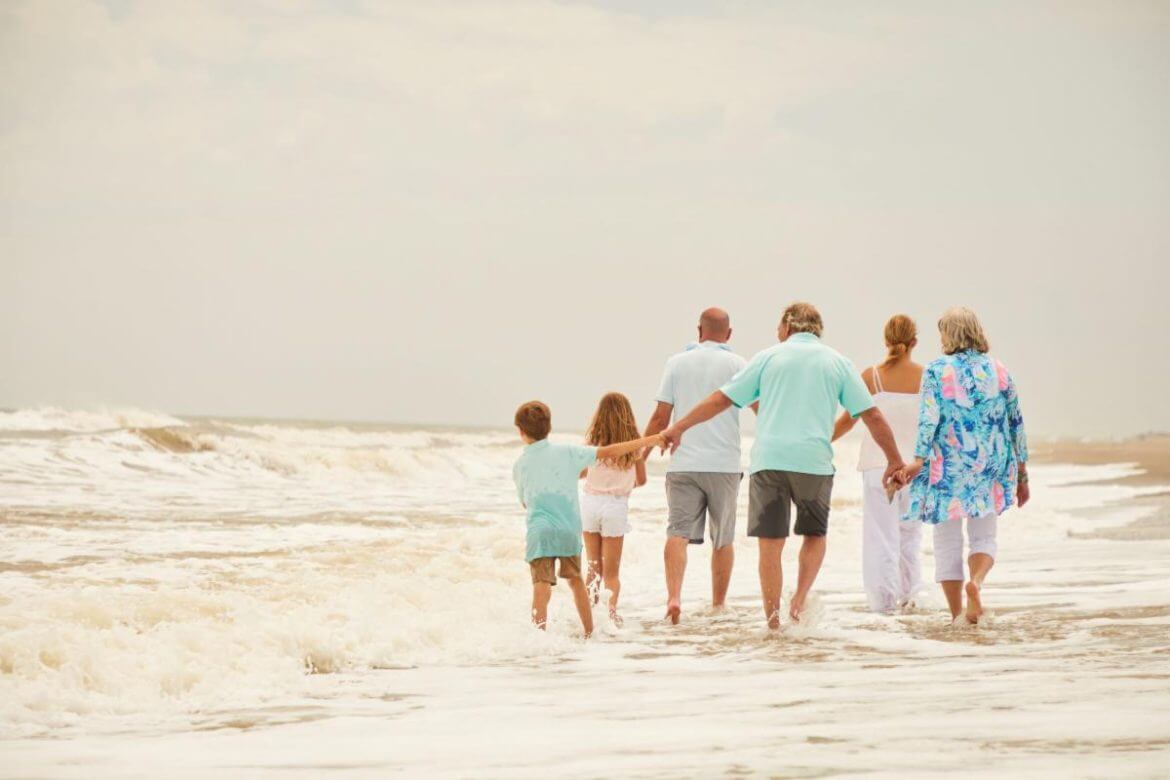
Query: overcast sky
(432, 211)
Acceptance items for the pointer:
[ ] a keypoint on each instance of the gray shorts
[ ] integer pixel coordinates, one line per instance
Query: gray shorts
(770, 500)
(693, 496)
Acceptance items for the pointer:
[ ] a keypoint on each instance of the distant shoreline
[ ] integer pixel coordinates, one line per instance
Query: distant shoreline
(1150, 452)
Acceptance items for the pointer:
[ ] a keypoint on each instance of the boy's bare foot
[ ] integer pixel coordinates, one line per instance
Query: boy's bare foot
(774, 622)
(974, 603)
(615, 618)
(673, 610)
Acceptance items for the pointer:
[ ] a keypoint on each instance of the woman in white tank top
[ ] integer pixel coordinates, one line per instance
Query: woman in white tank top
(890, 548)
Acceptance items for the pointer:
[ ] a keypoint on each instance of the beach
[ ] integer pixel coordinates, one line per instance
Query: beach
(254, 598)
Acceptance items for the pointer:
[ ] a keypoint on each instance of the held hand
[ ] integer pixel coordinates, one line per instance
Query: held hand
(670, 438)
(894, 475)
(910, 471)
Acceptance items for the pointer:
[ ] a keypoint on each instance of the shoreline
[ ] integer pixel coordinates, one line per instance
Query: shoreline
(1150, 453)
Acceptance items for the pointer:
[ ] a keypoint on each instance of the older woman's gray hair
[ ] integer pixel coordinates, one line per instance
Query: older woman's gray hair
(960, 330)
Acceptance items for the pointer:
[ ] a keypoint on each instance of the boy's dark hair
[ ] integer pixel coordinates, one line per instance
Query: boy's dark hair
(534, 420)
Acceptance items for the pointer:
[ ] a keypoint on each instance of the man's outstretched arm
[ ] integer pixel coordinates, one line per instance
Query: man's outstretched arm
(883, 436)
(706, 409)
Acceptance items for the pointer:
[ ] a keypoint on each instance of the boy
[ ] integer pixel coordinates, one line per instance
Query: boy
(546, 477)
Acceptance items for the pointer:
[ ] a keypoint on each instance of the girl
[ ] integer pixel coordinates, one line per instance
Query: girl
(605, 504)
(890, 548)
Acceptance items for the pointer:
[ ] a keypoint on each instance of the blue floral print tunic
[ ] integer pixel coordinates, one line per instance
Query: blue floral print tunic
(971, 437)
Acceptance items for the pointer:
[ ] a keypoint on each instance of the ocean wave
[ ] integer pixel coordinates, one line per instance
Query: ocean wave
(50, 418)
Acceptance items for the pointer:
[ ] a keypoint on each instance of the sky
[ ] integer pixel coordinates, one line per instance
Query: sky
(431, 212)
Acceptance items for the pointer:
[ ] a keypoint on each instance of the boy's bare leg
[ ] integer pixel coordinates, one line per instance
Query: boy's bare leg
(675, 558)
(584, 608)
(812, 555)
(611, 566)
(979, 564)
(771, 579)
(593, 563)
(541, 592)
(721, 562)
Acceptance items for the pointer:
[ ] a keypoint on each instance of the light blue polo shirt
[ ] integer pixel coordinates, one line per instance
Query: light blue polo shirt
(689, 377)
(799, 384)
(546, 477)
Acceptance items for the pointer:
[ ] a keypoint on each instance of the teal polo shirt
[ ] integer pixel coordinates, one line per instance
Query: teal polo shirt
(799, 384)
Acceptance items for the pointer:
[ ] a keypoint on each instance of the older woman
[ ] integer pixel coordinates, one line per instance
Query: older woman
(971, 441)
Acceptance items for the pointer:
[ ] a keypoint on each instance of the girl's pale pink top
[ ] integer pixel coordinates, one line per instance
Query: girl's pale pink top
(605, 479)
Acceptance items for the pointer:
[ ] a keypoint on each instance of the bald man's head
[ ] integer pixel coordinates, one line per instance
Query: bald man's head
(714, 325)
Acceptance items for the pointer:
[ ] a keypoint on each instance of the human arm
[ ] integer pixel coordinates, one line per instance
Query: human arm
(929, 415)
(883, 436)
(1016, 434)
(843, 425)
(706, 409)
(614, 451)
(847, 421)
(640, 472)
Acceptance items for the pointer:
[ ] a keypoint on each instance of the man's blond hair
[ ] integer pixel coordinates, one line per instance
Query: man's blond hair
(803, 318)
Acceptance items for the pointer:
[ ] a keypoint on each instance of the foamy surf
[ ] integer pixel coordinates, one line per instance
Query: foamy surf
(352, 596)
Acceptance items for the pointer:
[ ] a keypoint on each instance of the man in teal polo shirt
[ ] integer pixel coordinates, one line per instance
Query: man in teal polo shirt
(799, 384)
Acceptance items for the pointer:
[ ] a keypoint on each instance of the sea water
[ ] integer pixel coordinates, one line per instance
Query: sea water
(183, 597)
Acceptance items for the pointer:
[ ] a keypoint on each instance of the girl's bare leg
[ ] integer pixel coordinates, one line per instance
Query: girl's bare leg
(584, 608)
(593, 564)
(541, 592)
(953, 590)
(611, 565)
(979, 564)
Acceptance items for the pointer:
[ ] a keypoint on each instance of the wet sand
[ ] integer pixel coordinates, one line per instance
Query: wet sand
(1149, 454)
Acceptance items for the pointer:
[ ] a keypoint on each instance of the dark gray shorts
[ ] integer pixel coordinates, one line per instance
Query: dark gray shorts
(693, 496)
(770, 500)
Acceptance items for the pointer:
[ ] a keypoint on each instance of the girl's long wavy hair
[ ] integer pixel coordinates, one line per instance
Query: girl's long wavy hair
(613, 423)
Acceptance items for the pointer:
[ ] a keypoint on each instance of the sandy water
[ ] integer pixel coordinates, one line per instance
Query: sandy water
(255, 599)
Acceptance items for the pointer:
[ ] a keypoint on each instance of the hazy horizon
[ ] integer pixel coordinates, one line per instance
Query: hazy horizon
(430, 213)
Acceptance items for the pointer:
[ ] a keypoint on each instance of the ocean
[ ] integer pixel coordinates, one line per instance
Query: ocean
(251, 598)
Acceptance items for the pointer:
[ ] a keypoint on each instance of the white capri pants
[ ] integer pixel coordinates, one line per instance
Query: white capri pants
(890, 547)
(948, 545)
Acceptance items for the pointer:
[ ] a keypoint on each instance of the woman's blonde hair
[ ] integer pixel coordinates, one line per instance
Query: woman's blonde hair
(613, 423)
(900, 332)
(960, 330)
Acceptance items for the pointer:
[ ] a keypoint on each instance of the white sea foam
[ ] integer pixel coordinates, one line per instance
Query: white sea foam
(167, 579)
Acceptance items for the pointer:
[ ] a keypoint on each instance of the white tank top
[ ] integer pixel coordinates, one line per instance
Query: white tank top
(901, 412)
(605, 479)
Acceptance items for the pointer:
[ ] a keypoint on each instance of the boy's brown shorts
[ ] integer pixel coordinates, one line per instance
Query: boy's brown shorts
(542, 569)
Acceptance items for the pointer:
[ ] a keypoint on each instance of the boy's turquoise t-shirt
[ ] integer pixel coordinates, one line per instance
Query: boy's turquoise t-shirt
(546, 478)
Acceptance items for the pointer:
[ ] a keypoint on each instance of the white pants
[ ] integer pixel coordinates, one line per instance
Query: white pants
(948, 545)
(889, 546)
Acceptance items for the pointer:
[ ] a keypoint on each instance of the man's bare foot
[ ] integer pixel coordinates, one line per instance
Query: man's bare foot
(795, 607)
(615, 618)
(673, 610)
(974, 603)
(774, 621)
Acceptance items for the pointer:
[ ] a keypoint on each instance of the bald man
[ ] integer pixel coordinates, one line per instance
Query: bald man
(702, 481)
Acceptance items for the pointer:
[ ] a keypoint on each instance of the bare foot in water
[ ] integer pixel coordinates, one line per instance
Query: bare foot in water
(673, 610)
(974, 603)
(615, 618)
(795, 607)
